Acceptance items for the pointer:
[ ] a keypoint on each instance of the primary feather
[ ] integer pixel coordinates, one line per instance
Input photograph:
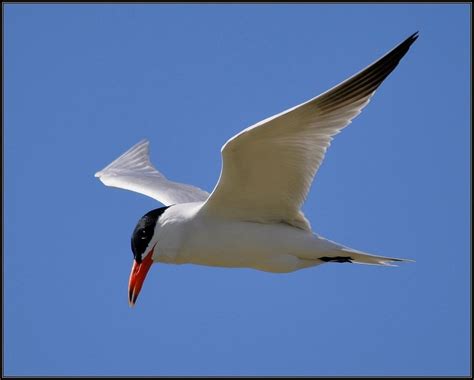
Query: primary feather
(134, 171)
(268, 168)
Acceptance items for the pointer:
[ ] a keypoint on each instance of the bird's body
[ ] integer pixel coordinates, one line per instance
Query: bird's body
(188, 236)
(252, 218)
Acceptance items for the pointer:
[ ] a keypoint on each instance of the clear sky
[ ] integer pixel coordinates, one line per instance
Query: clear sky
(83, 83)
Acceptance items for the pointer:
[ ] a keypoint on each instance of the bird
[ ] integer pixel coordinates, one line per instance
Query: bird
(252, 218)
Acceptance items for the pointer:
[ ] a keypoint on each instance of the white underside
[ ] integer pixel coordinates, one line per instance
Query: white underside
(187, 236)
(252, 218)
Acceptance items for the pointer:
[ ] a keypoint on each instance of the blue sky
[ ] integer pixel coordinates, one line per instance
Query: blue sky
(83, 83)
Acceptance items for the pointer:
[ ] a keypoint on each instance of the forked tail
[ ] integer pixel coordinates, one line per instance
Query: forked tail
(337, 253)
(348, 255)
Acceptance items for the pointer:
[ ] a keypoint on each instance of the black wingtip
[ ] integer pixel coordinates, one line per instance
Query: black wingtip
(365, 82)
(413, 37)
(408, 42)
(397, 53)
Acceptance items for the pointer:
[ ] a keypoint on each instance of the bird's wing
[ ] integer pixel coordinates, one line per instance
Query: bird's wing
(268, 168)
(134, 171)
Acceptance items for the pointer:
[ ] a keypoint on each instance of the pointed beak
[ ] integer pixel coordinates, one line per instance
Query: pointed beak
(137, 277)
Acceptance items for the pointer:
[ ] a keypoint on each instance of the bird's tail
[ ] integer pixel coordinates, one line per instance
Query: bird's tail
(357, 257)
(337, 253)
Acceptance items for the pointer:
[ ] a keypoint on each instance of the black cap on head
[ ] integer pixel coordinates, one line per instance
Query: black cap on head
(144, 231)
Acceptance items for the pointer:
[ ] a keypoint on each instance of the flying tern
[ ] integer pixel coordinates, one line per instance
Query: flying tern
(252, 218)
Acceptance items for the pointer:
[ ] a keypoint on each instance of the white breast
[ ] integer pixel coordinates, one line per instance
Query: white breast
(227, 243)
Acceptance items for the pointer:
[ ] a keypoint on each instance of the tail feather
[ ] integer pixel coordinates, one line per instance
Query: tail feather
(327, 251)
(358, 257)
(338, 253)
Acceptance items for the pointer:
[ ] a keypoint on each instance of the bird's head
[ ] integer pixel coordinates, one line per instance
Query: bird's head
(143, 244)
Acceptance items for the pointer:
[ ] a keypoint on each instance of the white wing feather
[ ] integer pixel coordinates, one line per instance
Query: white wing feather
(134, 171)
(268, 168)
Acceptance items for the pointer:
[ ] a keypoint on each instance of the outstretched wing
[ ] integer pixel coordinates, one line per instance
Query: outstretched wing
(134, 171)
(268, 168)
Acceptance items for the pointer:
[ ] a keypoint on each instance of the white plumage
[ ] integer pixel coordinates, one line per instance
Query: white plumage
(253, 216)
(134, 171)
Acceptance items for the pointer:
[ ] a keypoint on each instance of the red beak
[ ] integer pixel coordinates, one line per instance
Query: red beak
(137, 277)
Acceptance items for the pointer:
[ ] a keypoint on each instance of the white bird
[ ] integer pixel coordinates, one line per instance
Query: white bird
(252, 218)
